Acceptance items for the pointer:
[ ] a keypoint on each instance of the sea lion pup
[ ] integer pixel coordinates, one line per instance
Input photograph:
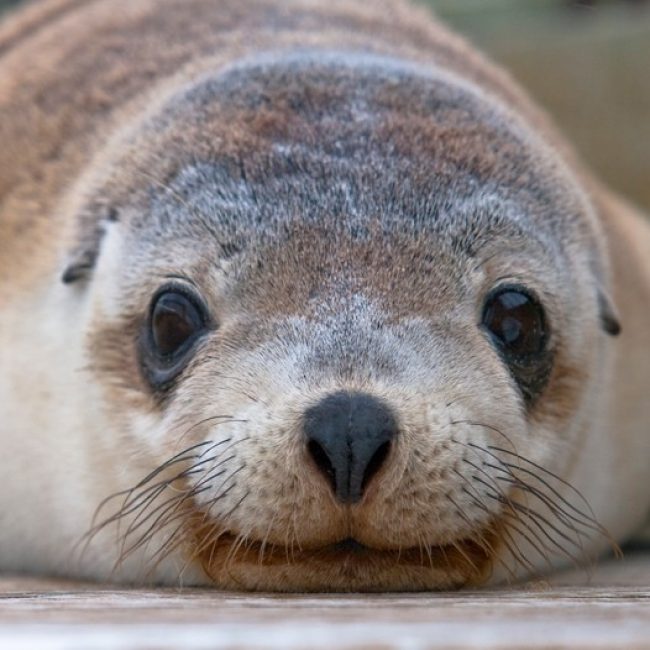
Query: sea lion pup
(304, 296)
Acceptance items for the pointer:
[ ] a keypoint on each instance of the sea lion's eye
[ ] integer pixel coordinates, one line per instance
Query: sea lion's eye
(516, 322)
(175, 319)
(517, 325)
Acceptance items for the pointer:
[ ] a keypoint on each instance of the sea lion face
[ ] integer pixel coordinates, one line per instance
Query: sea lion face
(348, 308)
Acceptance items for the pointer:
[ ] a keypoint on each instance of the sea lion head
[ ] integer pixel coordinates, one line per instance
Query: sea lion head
(347, 311)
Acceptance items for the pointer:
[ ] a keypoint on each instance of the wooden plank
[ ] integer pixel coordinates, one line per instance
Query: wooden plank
(609, 609)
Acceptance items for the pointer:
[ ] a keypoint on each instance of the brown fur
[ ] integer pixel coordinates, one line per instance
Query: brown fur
(90, 97)
(71, 71)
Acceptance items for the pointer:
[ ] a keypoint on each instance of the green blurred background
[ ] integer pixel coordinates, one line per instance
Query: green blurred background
(586, 61)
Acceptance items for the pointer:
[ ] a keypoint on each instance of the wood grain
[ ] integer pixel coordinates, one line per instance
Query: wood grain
(608, 608)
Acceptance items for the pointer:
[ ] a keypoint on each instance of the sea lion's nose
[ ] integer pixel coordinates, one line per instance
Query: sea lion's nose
(349, 436)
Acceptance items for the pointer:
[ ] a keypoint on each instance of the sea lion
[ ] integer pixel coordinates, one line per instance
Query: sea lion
(304, 296)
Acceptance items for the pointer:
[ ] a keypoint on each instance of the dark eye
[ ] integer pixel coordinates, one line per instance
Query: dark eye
(175, 320)
(517, 324)
(516, 321)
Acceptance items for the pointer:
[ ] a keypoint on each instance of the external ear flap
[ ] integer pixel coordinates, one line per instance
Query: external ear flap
(83, 257)
(608, 314)
(79, 266)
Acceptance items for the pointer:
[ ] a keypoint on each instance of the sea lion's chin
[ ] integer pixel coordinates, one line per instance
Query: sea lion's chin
(345, 565)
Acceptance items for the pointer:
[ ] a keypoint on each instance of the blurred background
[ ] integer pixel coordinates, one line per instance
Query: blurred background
(586, 61)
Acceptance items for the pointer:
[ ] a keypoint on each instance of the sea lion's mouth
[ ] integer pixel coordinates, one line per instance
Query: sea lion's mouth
(351, 549)
(351, 545)
(347, 564)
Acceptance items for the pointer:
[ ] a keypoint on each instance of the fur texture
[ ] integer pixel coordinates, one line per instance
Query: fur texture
(343, 184)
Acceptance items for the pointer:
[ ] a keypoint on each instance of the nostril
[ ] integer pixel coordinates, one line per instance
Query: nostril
(320, 457)
(348, 437)
(377, 460)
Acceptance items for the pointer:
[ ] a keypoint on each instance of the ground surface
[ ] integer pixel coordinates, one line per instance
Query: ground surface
(609, 610)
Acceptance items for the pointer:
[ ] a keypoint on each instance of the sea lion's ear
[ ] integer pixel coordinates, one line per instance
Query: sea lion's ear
(609, 318)
(80, 266)
(82, 258)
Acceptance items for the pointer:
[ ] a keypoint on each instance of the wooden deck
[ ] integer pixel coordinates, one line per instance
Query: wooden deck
(610, 609)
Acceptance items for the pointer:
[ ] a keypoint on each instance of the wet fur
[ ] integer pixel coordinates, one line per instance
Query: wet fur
(343, 183)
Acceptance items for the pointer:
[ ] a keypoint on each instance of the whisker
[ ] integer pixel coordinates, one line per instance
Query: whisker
(543, 551)
(174, 541)
(209, 540)
(485, 545)
(507, 468)
(163, 511)
(142, 500)
(140, 504)
(183, 516)
(215, 471)
(557, 478)
(509, 503)
(130, 500)
(491, 551)
(537, 519)
(508, 541)
(490, 427)
(514, 507)
(589, 517)
(146, 496)
(566, 518)
(223, 419)
(265, 539)
(180, 457)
